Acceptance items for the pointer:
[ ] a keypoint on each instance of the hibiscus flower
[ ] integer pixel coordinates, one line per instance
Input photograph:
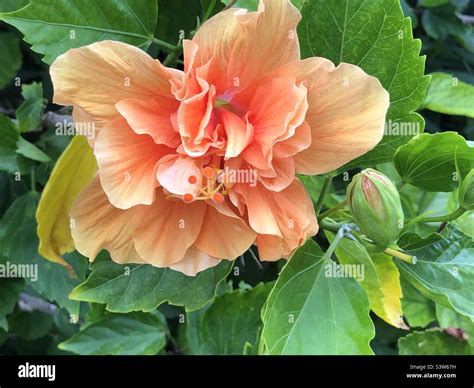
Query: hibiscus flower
(197, 166)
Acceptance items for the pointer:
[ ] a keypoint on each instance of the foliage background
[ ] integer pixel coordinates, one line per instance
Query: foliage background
(222, 314)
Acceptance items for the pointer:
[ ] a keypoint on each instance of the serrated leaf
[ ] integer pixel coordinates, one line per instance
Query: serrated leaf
(10, 290)
(120, 334)
(431, 342)
(72, 172)
(54, 26)
(10, 60)
(381, 279)
(444, 271)
(30, 151)
(126, 288)
(19, 244)
(376, 36)
(418, 310)
(234, 320)
(8, 133)
(428, 160)
(449, 95)
(308, 312)
(29, 112)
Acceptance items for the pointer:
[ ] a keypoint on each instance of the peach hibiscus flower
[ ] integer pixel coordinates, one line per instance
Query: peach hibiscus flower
(168, 142)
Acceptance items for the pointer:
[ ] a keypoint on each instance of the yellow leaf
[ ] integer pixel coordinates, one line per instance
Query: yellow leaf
(72, 172)
(380, 280)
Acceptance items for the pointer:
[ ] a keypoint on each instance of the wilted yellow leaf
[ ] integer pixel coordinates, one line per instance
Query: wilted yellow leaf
(73, 171)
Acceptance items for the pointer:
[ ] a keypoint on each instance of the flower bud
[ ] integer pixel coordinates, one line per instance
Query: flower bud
(376, 207)
(466, 192)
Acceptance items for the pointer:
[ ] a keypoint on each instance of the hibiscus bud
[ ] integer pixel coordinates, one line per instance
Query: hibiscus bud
(466, 192)
(376, 207)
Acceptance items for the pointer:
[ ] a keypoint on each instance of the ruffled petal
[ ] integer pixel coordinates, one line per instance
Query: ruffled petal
(97, 225)
(224, 234)
(127, 164)
(97, 76)
(288, 215)
(245, 46)
(152, 117)
(167, 229)
(195, 261)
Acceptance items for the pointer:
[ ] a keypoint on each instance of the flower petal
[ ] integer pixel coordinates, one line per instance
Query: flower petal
(248, 45)
(97, 76)
(151, 117)
(166, 229)
(224, 234)
(288, 214)
(346, 112)
(98, 225)
(195, 261)
(127, 164)
(173, 174)
(239, 132)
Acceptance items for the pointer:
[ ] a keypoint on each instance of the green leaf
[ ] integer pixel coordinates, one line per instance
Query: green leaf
(448, 319)
(30, 151)
(30, 325)
(419, 311)
(120, 334)
(444, 271)
(176, 16)
(54, 26)
(29, 112)
(19, 243)
(380, 279)
(14, 163)
(308, 312)
(126, 288)
(12, 5)
(234, 320)
(10, 290)
(448, 95)
(439, 23)
(250, 5)
(10, 61)
(431, 342)
(376, 36)
(428, 161)
(432, 3)
(8, 133)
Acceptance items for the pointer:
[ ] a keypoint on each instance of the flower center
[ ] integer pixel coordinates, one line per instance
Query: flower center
(214, 187)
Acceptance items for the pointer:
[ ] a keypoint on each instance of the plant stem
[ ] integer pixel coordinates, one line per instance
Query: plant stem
(446, 218)
(324, 190)
(166, 45)
(332, 247)
(33, 180)
(231, 3)
(400, 255)
(333, 210)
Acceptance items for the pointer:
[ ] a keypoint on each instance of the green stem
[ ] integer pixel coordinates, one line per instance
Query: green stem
(33, 180)
(333, 210)
(166, 45)
(400, 255)
(332, 247)
(446, 218)
(324, 190)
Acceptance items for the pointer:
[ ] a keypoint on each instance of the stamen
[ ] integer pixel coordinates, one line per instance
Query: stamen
(208, 172)
(192, 179)
(188, 198)
(218, 198)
